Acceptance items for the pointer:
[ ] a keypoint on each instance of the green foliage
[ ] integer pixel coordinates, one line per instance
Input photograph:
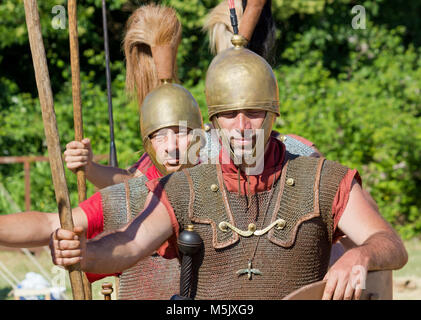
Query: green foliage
(361, 107)
(355, 93)
(22, 131)
(283, 9)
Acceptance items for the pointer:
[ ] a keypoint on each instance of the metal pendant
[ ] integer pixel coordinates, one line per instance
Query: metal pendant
(249, 271)
(223, 226)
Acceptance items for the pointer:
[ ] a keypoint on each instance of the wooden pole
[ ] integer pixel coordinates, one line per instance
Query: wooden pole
(27, 170)
(51, 133)
(77, 104)
(77, 111)
(107, 290)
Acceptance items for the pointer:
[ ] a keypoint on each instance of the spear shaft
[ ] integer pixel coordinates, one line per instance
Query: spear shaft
(77, 104)
(51, 133)
(113, 152)
(77, 111)
(233, 16)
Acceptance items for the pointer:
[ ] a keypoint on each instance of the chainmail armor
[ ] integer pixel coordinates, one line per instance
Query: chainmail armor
(153, 278)
(295, 146)
(289, 258)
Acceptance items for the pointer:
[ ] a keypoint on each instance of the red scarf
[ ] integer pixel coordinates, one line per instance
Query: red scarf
(274, 158)
(146, 166)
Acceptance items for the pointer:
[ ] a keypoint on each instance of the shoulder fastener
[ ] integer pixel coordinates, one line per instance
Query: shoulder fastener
(290, 181)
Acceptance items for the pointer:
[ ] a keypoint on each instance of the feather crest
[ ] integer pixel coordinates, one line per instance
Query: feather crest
(148, 26)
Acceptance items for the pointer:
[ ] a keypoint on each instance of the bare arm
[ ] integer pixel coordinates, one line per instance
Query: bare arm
(79, 154)
(378, 247)
(376, 240)
(33, 228)
(118, 250)
(103, 176)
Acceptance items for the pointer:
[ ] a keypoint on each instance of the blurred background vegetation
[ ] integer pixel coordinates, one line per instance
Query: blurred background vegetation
(354, 92)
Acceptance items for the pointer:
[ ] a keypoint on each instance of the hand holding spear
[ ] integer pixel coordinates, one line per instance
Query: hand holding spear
(51, 133)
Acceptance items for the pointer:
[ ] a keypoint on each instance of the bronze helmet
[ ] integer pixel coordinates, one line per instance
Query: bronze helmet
(239, 79)
(151, 41)
(167, 106)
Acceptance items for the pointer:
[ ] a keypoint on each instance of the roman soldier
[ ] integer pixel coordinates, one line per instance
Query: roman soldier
(259, 30)
(150, 48)
(264, 234)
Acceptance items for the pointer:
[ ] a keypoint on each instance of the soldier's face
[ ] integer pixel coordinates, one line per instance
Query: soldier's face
(242, 126)
(170, 145)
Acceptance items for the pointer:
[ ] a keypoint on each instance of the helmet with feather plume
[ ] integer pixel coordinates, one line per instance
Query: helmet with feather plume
(152, 36)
